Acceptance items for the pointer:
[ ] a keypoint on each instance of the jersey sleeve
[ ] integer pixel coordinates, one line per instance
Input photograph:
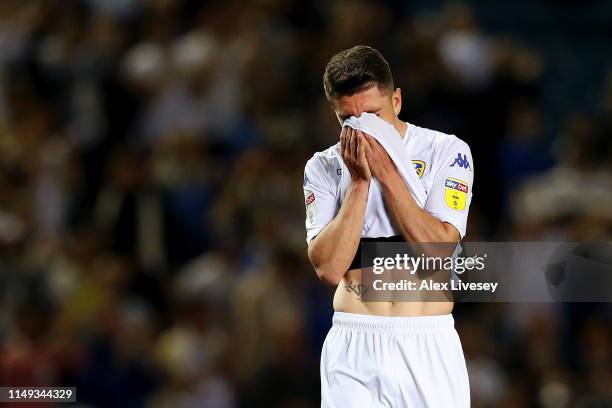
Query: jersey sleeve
(451, 190)
(320, 196)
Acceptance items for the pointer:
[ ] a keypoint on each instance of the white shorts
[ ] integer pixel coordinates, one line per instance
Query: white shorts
(378, 361)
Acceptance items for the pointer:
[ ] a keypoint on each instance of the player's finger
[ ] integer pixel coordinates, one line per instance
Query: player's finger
(351, 143)
(343, 140)
(366, 144)
(345, 149)
(361, 145)
(373, 142)
(354, 145)
(373, 145)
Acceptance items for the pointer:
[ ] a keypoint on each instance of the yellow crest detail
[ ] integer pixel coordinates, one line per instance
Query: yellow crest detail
(455, 193)
(419, 167)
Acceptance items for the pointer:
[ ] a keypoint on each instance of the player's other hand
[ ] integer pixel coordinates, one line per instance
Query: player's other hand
(377, 157)
(353, 145)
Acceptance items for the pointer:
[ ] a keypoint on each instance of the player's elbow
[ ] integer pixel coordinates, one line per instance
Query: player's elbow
(326, 271)
(438, 243)
(329, 276)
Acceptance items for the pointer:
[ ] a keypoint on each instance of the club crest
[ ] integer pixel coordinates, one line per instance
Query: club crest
(419, 167)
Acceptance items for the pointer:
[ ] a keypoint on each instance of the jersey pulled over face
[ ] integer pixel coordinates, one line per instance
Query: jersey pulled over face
(442, 162)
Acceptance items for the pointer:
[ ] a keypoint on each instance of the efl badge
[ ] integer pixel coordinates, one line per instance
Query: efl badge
(311, 207)
(455, 193)
(419, 167)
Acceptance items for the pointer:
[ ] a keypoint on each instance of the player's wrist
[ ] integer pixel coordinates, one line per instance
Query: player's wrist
(360, 184)
(388, 177)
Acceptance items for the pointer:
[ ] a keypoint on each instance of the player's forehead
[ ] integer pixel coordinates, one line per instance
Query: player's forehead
(366, 100)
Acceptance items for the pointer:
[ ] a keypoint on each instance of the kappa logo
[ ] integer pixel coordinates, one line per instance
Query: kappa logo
(419, 167)
(461, 161)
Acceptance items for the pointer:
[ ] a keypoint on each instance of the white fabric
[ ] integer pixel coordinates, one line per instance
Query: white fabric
(391, 141)
(399, 362)
(325, 172)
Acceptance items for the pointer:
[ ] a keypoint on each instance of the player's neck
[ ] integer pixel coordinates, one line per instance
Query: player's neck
(400, 126)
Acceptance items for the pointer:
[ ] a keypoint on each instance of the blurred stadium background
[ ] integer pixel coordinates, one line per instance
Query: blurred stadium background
(152, 244)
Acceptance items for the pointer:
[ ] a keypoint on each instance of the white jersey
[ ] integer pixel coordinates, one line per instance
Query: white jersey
(442, 162)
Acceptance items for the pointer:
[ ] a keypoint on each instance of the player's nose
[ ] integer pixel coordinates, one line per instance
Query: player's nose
(357, 112)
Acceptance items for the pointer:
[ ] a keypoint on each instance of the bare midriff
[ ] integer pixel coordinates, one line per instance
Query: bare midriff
(350, 301)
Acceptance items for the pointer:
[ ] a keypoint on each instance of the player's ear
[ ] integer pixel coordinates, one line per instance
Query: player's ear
(396, 100)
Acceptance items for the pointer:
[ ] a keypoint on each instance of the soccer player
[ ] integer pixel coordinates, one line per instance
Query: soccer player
(384, 354)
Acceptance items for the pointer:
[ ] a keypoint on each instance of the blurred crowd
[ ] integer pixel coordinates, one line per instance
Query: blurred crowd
(152, 242)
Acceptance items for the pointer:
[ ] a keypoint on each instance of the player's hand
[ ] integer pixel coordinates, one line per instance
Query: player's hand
(353, 146)
(377, 157)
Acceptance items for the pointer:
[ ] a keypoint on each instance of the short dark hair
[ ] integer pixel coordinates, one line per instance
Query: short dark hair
(354, 70)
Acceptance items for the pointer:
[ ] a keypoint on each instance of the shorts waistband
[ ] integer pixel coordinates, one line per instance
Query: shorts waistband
(393, 324)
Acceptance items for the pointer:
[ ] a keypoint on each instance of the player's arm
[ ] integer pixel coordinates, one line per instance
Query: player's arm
(434, 223)
(332, 250)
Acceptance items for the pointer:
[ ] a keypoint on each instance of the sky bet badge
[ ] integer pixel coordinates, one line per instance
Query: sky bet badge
(455, 193)
(419, 167)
